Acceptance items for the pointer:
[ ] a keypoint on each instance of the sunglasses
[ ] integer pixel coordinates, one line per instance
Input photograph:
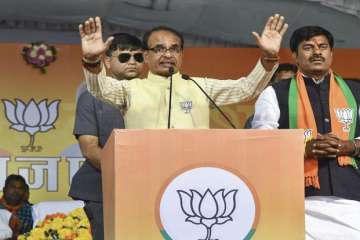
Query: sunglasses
(125, 57)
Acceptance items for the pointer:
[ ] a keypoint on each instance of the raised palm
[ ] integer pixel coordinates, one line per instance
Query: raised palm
(92, 43)
(270, 40)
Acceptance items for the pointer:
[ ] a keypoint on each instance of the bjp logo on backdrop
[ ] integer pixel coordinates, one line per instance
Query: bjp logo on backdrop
(31, 118)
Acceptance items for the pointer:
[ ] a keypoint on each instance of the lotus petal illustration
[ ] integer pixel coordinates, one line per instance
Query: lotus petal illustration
(345, 116)
(208, 209)
(31, 117)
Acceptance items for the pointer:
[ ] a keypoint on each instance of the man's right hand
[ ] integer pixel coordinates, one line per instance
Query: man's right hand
(92, 43)
(15, 225)
(323, 146)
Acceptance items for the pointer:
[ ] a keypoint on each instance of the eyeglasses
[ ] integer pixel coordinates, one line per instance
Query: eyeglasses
(175, 49)
(125, 57)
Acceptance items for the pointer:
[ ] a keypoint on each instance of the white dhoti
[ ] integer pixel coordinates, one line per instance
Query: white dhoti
(332, 218)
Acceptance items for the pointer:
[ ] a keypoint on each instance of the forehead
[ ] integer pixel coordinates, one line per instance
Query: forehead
(320, 39)
(163, 37)
(119, 51)
(16, 183)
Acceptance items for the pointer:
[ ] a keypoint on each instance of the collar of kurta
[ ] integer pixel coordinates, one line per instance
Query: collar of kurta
(160, 80)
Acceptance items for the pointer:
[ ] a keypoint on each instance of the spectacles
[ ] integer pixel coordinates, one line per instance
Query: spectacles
(175, 49)
(125, 57)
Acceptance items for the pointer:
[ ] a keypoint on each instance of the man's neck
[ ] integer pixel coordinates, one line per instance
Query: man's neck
(120, 78)
(317, 77)
(164, 75)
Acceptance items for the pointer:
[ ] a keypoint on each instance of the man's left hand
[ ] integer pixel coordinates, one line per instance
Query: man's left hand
(270, 40)
(346, 147)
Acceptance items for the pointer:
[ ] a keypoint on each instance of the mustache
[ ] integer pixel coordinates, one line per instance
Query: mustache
(317, 58)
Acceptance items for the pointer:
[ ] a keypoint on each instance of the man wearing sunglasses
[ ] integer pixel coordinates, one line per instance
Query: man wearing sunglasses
(146, 101)
(94, 122)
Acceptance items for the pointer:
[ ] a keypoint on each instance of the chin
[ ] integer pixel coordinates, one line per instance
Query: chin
(130, 78)
(163, 73)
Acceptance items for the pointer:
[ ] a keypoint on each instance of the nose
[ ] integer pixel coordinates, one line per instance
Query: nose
(168, 53)
(132, 60)
(317, 50)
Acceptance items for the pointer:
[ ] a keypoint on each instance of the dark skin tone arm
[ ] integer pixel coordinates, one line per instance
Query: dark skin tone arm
(328, 145)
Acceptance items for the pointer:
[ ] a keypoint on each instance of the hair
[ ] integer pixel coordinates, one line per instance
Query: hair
(307, 32)
(16, 178)
(124, 41)
(283, 67)
(287, 67)
(162, 28)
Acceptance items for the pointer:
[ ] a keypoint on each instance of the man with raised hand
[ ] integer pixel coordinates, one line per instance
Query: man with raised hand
(146, 100)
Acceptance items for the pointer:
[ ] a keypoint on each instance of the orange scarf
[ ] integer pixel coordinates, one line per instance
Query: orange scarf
(12, 209)
(14, 221)
(343, 114)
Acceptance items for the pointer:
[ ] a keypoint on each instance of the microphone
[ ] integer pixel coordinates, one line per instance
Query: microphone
(171, 72)
(186, 77)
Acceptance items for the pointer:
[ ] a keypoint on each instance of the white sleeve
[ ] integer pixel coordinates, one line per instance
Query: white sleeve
(267, 111)
(5, 230)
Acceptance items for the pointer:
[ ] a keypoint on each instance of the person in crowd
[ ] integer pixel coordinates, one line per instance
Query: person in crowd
(15, 200)
(284, 71)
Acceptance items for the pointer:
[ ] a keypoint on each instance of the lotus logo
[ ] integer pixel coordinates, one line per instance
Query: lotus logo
(31, 117)
(207, 203)
(345, 116)
(208, 209)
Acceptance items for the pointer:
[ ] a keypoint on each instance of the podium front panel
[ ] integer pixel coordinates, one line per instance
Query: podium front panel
(204, 184)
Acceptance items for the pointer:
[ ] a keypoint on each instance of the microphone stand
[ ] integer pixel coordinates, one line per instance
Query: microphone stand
(186, 77)
(171, 72)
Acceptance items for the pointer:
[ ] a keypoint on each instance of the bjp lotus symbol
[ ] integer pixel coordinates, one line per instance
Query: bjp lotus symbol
(208, 209)
(345, 116)
(31, 117)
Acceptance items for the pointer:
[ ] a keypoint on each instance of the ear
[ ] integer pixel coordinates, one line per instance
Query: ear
(107, 62)
(146, 56)
(26, 196)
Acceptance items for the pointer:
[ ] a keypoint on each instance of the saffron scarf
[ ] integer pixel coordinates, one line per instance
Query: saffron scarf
(343, 115)
(14, 221)
(12, 209)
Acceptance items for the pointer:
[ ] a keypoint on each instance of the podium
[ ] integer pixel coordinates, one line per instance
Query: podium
(203, 184)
